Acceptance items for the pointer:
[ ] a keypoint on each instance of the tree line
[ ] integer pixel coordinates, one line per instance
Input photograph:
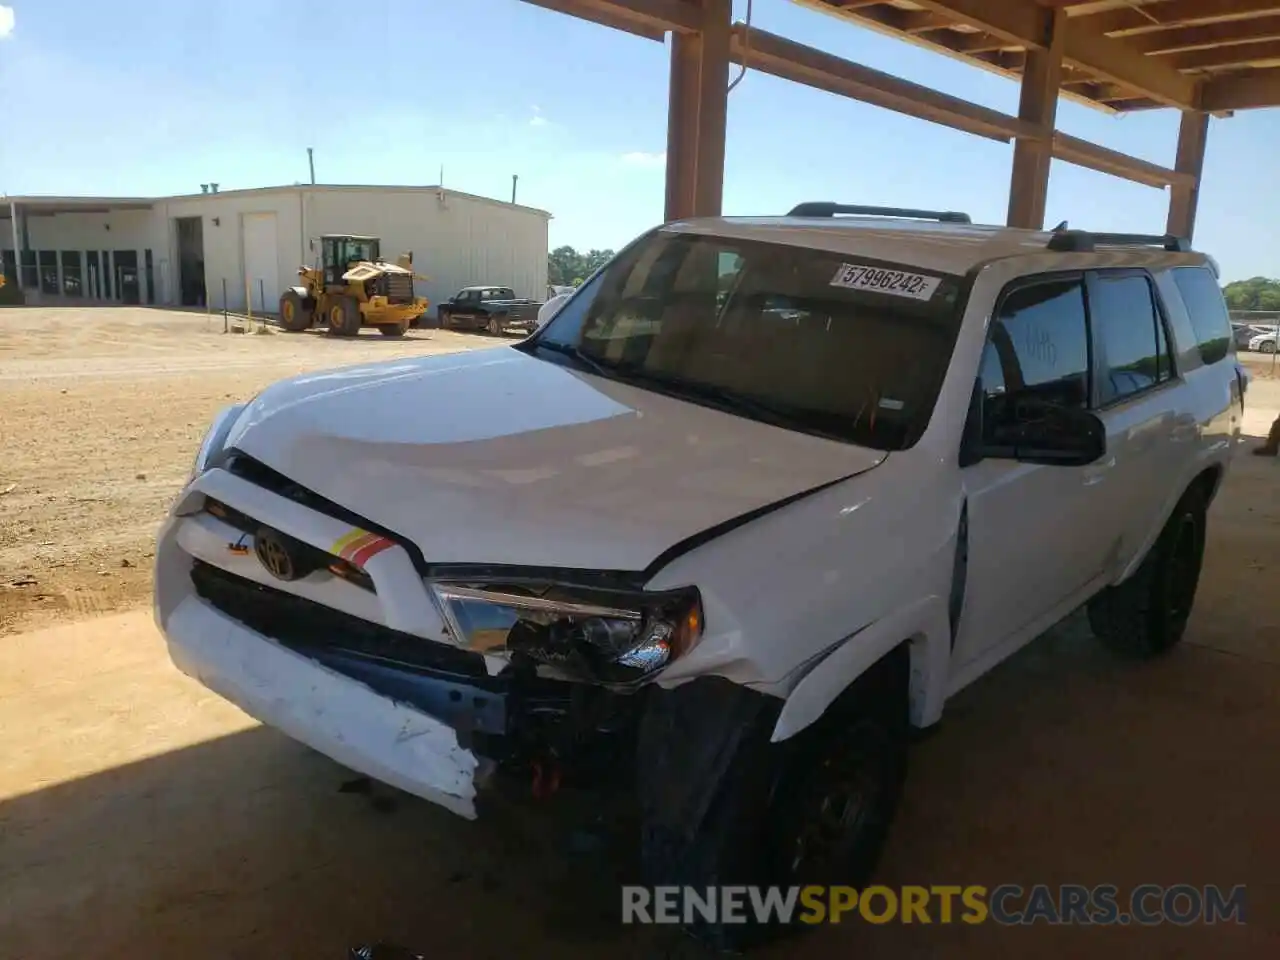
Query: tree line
(1256, 293)
(567, 267)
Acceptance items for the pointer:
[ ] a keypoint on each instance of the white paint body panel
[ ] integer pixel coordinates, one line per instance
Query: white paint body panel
(509, 459)
(327, 711)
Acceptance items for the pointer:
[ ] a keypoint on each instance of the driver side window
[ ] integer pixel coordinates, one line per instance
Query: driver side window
(1037, 349)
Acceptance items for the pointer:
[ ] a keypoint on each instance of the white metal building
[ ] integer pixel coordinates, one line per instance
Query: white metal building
(182, 250)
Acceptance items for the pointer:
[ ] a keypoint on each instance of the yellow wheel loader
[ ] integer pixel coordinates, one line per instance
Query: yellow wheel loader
(352, 287)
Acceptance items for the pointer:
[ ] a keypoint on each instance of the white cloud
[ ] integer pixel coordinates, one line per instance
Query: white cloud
(537, 120)
(6, 21)
(638, 158)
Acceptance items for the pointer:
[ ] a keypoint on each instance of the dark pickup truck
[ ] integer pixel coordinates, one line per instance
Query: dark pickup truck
(495, 309)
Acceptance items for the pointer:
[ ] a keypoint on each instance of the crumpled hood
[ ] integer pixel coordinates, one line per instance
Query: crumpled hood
(496, 457)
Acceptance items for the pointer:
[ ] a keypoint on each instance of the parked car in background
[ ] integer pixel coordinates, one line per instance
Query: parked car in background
(1244, 333)
(553, 305)
(1264, 341)
(495, 309)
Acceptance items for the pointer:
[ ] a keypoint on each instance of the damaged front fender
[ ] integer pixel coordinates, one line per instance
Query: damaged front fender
(688, 739)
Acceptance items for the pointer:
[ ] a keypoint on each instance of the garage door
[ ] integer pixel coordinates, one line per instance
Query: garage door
(261, 260)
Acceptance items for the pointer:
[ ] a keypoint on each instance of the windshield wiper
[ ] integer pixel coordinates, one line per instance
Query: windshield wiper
(575, 353)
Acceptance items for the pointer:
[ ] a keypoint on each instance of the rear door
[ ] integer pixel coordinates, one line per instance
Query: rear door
(1150, 427)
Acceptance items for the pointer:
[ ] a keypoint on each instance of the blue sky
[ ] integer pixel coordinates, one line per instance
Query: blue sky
(141, 97)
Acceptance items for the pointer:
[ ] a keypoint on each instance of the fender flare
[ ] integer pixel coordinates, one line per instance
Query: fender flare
(301, 292)
(1210, 473)
(924, 623)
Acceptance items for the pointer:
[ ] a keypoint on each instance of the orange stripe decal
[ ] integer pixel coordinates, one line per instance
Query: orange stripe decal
(370, 550)
(346, 540)
(355, 546)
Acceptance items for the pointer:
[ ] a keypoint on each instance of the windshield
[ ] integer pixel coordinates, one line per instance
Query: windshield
(802, 338)
(360, 250)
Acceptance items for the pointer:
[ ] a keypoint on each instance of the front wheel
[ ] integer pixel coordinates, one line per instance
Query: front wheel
(1267, 346)
(1147, 614)
(295, 311)
(812, 810)
(344, 317)
(494, 326)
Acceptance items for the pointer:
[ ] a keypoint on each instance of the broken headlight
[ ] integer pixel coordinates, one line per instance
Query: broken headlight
(586, 634)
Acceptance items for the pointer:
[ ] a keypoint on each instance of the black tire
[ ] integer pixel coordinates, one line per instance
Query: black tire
(495, 325)
(769, 822)
(1267, 346)
(393, 329)
(296, 311)
(1147, 614)
(443, 319)
(344, 317)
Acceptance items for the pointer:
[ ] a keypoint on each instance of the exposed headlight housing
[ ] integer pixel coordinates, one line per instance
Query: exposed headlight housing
(215, 439)
(604, 636)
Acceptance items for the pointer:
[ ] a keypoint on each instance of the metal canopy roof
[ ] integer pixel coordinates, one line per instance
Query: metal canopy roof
(1119, 55)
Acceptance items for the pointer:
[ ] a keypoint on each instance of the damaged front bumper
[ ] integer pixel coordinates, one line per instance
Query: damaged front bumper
(331, 664)
(314, 704)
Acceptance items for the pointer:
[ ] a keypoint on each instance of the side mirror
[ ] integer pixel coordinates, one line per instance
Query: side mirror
(1035, 431)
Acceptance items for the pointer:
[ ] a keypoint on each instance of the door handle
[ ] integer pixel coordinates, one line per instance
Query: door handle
(1098, 471)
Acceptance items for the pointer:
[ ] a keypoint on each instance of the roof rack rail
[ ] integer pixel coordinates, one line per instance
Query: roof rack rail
(1084, 241)
(820, 208)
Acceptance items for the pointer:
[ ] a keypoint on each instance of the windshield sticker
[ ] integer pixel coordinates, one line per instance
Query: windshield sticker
(895, 283)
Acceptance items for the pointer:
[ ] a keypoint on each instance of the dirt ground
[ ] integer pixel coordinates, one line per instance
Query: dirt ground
(103, 408)
(141, 816)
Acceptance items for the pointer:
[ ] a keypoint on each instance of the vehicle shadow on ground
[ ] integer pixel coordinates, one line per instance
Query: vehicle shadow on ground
(1063, 766)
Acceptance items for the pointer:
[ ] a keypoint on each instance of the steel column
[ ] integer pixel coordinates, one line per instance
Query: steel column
(1193, 133)
(1038, 105)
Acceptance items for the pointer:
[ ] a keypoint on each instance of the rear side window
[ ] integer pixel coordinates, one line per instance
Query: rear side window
(1129, 332)
(1208, 312)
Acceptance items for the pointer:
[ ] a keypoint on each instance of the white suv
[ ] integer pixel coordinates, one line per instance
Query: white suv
(754, 504)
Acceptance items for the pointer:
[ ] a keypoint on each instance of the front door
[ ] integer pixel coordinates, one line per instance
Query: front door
(1034, 540)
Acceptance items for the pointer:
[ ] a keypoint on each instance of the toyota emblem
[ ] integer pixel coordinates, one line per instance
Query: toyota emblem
(275, 554)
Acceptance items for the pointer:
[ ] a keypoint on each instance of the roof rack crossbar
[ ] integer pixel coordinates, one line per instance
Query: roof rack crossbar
(1083, 241)
(819, 208)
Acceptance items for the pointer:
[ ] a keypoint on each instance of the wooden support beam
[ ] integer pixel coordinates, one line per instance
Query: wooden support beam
(646, 18)
(1209, 35)
(775, 55)
(713, 104)
(1265, 53)
(1085, 154)
(1184, 197)
(1170, 14)
(788, 60)
(696, 112)
(682, 127)
(1026, 24)
(1257, 88)
(1038, 105)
